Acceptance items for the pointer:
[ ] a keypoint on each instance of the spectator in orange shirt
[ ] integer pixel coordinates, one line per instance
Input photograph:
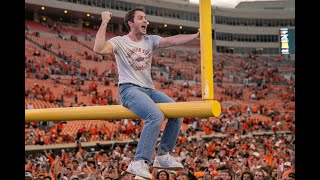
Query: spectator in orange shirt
(286, 169)
(93, 130)
(59, 127)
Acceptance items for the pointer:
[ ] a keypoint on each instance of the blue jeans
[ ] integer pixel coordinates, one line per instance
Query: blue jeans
(142, 101)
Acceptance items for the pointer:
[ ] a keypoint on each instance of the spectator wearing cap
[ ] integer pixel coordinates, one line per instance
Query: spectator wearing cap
(74, 177)
(28, 176)
(47, 178)
(286, 169)
(215, 165)
(64, 178)
(40, 176)
(82, 175)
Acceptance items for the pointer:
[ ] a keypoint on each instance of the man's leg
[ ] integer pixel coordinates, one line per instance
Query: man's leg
(172, 128)
(163, 159)
(137, 100)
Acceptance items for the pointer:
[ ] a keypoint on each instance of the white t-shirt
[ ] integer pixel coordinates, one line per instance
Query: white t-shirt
(134, 59)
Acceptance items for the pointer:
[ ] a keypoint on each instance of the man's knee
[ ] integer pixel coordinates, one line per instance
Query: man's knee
(156, 116)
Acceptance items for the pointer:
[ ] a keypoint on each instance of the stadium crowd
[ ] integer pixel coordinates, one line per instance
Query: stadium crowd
(232, 157)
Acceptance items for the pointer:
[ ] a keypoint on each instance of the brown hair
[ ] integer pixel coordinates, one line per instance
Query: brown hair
(246, 172)
(130, 16)
(167, 174)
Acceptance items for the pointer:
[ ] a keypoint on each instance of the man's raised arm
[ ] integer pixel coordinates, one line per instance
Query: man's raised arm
(100, 45)
(178, 39)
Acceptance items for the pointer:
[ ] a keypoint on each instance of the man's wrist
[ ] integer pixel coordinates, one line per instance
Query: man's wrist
(105, 22)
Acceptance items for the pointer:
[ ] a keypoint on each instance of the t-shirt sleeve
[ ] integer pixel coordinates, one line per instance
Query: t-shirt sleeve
(115, 44)
(155, 41)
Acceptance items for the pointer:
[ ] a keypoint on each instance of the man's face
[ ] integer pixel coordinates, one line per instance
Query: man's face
(69, 171)
(43, 168)
(75, 164)
(183, 177)
(254, 161)
(139, 23)
(215, 164)
(274, 172)
(258, 175)
(208, 177)
(225, 176)
(246, 177)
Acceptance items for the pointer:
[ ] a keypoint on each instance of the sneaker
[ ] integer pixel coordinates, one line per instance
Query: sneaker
(167, 162)
(139, 168)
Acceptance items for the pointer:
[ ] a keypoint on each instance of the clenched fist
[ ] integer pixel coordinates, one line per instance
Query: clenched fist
(106, 16)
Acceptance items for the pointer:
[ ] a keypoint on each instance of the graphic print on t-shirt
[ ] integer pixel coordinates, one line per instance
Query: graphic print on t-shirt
(139, 59)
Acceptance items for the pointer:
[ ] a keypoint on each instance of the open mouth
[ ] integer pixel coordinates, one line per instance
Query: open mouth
(144, 27)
